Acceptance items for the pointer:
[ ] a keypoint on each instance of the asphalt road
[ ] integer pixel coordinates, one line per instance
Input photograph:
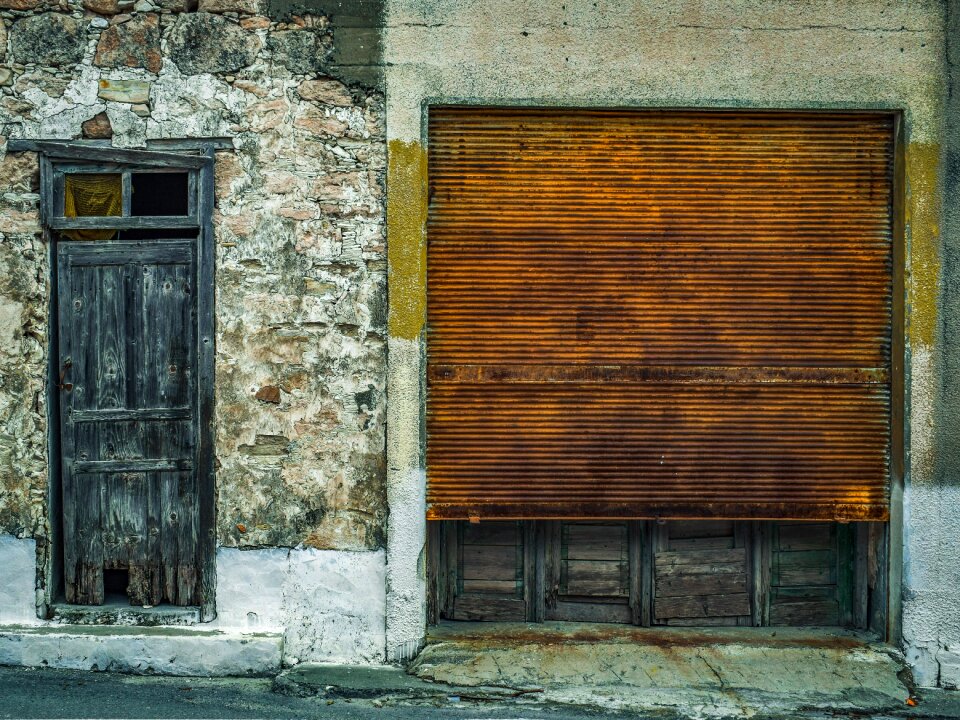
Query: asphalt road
(47, 693)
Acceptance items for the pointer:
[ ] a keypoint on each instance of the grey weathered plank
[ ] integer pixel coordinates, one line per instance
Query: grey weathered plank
(595, 542)
(807, 558)
(566, 611)
(794, 576)
(160, 144)
(138, 222)
(702, 606)
(681, 529)
(729, 621)
(93, 153)
(703, 569)
(698, 544)
(552, 539)
(204, 282)
(137, 414)
(815, 612)
(635, 550)
(489, 562)
(434, 570)
(710, 584)
(700, 557)
(480, 607)
(153, 465)
(596, 577)
(861, 597)
(498, 587)
(126, 252)
(805, 536)
(451, 566)
(804, 592)
(491, 533)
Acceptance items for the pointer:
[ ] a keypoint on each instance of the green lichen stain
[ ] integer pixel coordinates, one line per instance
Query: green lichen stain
(922, 211)
(406, 246)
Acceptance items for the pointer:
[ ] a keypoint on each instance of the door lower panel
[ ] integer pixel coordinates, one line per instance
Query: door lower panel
(678, 573)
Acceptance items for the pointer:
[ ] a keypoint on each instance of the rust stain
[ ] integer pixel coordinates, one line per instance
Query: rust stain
(680, 314)
(516, 634)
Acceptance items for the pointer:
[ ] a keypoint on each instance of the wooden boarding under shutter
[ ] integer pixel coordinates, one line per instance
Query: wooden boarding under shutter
(676, 314)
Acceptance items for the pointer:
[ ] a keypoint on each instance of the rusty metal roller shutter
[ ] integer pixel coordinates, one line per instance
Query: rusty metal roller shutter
(676, 314)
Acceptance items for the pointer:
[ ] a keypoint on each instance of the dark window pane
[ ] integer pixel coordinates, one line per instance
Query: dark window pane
(159, 193)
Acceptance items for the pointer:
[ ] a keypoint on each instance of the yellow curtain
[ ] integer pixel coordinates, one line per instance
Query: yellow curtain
(92, 195)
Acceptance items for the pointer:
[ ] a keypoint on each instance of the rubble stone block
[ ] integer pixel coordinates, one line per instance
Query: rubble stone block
(19, 4)
(244, 7)
(97, 127)
(108, 7)
(300, 51)
(207, 43)
(48, 39)
(326, 91)
(177, 6)
(135, 43)
(19, 172)
(125, 91)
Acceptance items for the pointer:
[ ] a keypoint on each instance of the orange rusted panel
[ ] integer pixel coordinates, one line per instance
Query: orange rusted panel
(677, 314)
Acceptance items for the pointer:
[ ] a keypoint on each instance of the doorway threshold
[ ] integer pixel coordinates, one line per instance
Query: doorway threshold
(118, 611)
(734, 671)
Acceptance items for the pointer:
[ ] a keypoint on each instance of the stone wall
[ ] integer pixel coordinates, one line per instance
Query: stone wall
(300, 272)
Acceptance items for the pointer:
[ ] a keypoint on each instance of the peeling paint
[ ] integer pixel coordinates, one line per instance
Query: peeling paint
(407, 249)
(922, 221)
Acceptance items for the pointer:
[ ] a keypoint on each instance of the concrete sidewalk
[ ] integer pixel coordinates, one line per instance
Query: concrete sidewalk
(682, 673)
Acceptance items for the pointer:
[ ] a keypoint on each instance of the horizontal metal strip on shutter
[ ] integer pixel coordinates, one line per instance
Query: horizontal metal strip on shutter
(659, 314)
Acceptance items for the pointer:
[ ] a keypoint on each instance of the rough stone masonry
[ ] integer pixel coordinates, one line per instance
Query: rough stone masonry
(300, 256)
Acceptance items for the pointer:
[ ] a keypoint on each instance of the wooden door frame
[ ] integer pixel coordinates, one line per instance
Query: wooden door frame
(197, 155)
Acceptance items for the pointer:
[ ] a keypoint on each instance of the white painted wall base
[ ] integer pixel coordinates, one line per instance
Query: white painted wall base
(146, 651)
(274, 606)
(18, 594)
(329, 604)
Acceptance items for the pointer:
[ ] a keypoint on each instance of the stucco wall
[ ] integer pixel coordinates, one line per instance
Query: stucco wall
(847, 53)
(932, 582)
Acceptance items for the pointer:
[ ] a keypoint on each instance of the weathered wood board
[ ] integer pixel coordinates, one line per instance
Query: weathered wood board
(128, 398)
(702, 574)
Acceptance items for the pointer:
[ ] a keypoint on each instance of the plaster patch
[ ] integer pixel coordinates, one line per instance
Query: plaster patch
(334, 602)
(250, 588)
(18, 594)
(329, 604)
(406, 494)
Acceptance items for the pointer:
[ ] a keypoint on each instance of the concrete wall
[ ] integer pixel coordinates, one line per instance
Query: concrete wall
(932, 571)
(718, 53)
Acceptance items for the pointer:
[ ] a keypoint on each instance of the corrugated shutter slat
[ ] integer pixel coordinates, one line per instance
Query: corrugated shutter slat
(659, 314)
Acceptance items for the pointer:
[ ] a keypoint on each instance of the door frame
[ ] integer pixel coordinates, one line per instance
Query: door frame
(197, 155)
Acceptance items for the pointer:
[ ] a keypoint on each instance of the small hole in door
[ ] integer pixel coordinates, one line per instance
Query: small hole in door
(115, 583)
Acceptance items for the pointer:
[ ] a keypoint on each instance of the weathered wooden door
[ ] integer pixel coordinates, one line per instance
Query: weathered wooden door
(128, 359)
(134, 347)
